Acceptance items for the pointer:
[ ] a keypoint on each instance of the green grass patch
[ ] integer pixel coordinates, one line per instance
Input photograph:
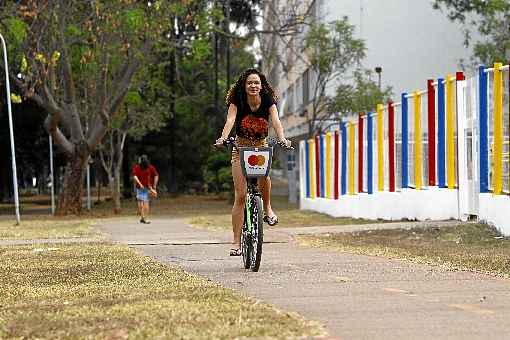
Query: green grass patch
(475, 247)
(46, 228)
(108, 291)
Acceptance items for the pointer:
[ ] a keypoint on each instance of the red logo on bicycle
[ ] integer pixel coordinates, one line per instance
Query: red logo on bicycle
(255, 160)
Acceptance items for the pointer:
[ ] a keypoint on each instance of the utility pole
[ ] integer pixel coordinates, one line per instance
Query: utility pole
(227, 40)
(88, 183)
(361, 9)
(88, 172)
(52, 176)
(378, 70)
(216, 90)
(11, 132)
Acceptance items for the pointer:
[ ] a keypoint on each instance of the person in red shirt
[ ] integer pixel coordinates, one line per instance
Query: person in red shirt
(146, 179)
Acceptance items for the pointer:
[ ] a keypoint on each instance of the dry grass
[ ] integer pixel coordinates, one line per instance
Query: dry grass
(206, 211)
(289, 215)
(46, 228)
(476, 247)
(172, 206)
(102, 291)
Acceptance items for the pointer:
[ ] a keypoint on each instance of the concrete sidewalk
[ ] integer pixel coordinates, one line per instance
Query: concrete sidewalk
(355, 297)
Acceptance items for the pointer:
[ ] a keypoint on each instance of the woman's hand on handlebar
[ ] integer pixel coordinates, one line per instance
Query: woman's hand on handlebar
(219, 142)
(223, 142)
(285, 143)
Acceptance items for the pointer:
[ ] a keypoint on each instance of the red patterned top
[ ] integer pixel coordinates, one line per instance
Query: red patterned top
(254, 124)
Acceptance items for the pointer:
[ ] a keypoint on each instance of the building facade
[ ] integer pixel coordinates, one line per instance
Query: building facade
(408, 40)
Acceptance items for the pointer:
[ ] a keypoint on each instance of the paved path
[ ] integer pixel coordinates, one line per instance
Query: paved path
(355, 297)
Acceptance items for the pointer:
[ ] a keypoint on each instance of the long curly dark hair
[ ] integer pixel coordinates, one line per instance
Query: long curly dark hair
(237, 94)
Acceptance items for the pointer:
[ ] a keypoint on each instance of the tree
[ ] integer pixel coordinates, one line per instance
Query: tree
(77, 60)
(492, 20)
(142, 111)
(331, 51)
(361, 95)
(193, 126)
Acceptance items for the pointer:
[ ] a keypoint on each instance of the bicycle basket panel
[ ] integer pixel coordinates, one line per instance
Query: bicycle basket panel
(256, 162)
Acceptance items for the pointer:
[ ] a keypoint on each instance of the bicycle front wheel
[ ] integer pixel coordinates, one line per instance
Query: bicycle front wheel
(246, 241)
(257, 235)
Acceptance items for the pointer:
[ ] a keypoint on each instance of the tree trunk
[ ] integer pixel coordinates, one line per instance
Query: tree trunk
(172, 178)
(127, 185)
(5, 179)
(111, 185)
(70, 200)
(116, 189)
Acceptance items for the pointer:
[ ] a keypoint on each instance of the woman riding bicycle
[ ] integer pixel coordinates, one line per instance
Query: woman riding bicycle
(251, 103)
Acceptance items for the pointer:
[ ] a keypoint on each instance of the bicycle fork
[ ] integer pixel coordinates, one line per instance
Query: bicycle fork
(251, 192)
(248, 215)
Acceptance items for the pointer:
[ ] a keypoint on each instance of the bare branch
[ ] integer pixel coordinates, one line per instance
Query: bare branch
(96, 133)
(103, 163)
(69, 86)
(57, 135)
(123, 86)
(102, 87)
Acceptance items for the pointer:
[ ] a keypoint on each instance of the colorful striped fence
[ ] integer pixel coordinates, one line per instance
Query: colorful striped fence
(417, 140)
(340, 162)
(360, 153)
(380, 148)
(450, 131)
(431, 112)
(391, 146)
(498, 129)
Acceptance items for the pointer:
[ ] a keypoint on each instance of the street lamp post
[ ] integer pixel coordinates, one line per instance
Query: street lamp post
(52, 176)
(11, 133)
(378, 70)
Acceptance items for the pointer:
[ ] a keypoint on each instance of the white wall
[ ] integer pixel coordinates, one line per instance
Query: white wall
(433, 204)
(494, 210)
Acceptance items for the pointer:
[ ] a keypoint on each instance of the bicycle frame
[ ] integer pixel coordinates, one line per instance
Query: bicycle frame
(252, 189)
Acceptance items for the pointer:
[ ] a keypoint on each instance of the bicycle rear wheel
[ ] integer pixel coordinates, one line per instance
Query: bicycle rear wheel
(245, 242)
(257, 235)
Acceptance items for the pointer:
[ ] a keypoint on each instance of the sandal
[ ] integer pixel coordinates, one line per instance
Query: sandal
(235, 252)
(272, 221)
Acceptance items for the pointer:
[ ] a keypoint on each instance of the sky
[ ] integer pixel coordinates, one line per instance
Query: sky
(410, 40)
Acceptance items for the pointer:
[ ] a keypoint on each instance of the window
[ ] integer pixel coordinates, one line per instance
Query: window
(273, 76)
(299, 91)
(306, 87)
(290, 100)
(290, 53)
(282, 104)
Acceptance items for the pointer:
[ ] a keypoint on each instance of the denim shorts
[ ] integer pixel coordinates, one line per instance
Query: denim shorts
(142, 194)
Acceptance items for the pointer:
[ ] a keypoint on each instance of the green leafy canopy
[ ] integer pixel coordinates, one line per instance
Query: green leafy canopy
(491, 18)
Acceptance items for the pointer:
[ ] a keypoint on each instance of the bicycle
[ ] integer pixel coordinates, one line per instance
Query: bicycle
(255, 163)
